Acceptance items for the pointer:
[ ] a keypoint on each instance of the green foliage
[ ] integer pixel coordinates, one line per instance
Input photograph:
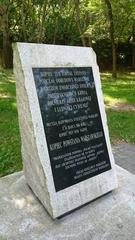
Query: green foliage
(67, 21)
(123, 17)
(98, 26)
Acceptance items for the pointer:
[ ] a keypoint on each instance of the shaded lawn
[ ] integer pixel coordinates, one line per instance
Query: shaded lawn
(10, 156)
(121, 90)
(121, 124)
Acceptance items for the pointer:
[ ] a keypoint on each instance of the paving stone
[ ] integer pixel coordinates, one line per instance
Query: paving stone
(111, 217)
(124, 155)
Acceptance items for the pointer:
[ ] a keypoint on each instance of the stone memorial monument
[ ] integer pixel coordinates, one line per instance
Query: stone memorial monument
(66, 149)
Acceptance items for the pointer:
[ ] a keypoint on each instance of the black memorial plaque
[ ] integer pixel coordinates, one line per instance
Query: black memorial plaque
(72, 123)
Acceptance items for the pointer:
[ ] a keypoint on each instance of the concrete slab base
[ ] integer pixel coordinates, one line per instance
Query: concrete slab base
(111, 217)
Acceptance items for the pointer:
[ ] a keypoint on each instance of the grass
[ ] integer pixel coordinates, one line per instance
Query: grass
(10, 156)
(121, 124)
(121, 90)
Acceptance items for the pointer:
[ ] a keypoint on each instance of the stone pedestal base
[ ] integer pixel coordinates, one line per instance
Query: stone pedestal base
(110, 217)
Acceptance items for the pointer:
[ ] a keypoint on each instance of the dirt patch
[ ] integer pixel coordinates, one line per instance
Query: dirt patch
(122, 107)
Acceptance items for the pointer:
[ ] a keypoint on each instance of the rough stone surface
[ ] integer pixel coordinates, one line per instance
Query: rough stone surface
(110, 217)
(37, 168)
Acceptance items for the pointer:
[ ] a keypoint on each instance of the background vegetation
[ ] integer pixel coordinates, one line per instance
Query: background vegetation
(106, 25)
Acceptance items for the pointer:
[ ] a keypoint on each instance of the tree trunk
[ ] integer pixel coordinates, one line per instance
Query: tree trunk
(55, 31)
(23, 23)
(42, 23)
(7, 49)
(111, 30)
(133, 48)
(78, 22)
